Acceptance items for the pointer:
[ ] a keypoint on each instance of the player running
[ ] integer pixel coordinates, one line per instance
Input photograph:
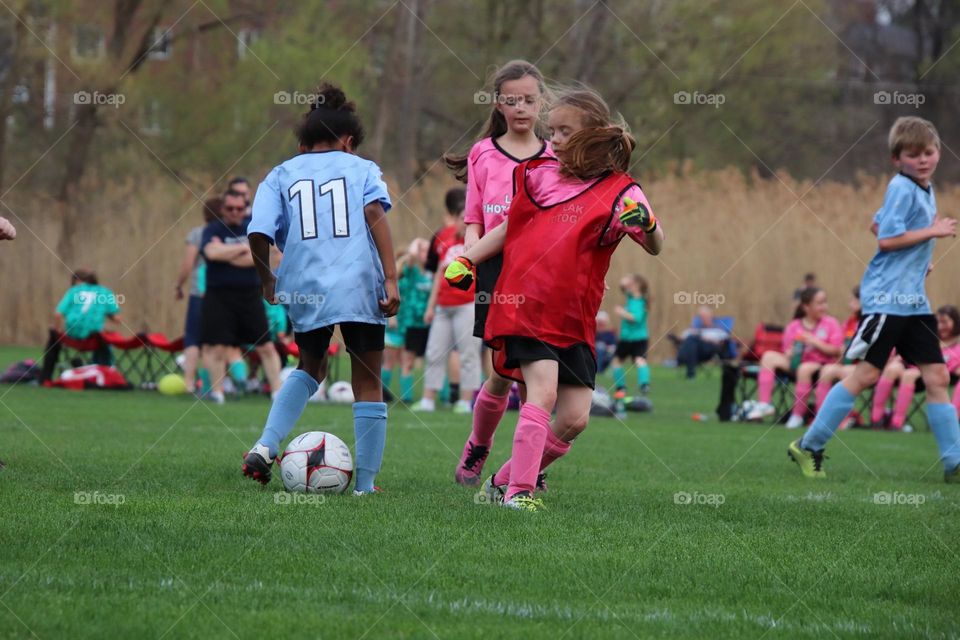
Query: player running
(325, 209)
(896, 312)
(566, 219)
(509, 138)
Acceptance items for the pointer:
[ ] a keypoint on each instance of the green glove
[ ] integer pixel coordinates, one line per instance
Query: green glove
(637, 215)
(459, 273)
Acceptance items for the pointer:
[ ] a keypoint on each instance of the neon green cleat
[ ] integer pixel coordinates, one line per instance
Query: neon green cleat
(523, 501)
(952, 477)
(811, 462)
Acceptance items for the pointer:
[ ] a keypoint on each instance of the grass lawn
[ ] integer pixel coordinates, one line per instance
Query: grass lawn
(124, 515)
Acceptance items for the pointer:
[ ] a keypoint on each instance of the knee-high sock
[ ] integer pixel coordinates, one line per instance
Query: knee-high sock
(643, 374)
(553, 450)
(529, 442)
(823, 388)
(287, 408)
(765, 381)
(619, 378)
(946, 429)
(902, 405)
(488, 410)
(386, 377)
(406, 387)
(801, 392)
(880, 396)
(835, 408)
(239, 371)
(370, 432)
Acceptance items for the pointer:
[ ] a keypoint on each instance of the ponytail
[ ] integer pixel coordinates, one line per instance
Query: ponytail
(806, 297)
(594, 151)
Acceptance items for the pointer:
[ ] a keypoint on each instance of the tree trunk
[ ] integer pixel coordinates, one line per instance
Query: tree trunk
(9, 84)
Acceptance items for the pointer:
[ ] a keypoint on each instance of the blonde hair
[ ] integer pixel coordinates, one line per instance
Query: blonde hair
(604, 144)
(911, 132)
(496, 124)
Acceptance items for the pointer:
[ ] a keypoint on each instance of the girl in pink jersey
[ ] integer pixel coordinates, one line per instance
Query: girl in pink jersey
(810, 341)
(509, 138)
(905, 376)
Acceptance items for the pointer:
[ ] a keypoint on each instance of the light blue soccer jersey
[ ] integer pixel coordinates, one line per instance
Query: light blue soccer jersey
(311, 206)
(894, 280)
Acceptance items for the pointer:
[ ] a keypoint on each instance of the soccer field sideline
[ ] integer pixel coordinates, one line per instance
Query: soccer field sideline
(661, 526)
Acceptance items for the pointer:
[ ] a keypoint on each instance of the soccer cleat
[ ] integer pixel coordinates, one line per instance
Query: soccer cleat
(424, 406)
(795, 421)
(541, 482)
(952, 477)
(810, 462)
(645, 389)
(257, 463)
(761, 410)
(523, 501)
(357, 493)
(216, 397)
(462, 407)
(493, 494)
(471, 464)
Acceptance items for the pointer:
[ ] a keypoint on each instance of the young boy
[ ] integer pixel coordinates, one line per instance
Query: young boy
(326, 210)
(896, 313)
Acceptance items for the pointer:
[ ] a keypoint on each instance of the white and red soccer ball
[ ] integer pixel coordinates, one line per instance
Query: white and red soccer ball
(316, 462)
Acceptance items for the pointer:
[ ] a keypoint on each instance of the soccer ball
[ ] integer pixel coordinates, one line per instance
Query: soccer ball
(340, 392)
(316, 462)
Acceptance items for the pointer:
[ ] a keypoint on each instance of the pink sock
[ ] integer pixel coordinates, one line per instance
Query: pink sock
(956, 399)
(502, 477)
(823, 388)
(880, 396)
(553, 450)
(904, 398)
(529, 443)
(488, 410)
(800, 394)
(765, 381)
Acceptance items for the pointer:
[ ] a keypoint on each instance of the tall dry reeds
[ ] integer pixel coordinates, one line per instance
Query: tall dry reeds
(741, 243)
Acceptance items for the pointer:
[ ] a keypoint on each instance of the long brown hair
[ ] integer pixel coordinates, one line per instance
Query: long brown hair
(496, 124)
(604, 144)
(806, 297)
(951, 312)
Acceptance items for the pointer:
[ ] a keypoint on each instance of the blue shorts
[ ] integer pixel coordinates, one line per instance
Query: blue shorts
(191, 328)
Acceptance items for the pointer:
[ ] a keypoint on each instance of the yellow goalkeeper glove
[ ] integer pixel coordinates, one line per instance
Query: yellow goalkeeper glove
(637, 215)
(459, 273)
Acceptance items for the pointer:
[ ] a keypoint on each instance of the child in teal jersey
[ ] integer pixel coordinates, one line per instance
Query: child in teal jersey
(415, 286)
(634, 335)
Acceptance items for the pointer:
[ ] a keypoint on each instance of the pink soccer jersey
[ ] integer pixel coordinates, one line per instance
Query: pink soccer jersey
(549, 187)
(951, 356)
(490, 182)
(828, 330)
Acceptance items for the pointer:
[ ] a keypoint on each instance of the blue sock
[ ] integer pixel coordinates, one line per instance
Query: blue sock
(370, 431)
(406, 388)
(619, 379)
(205, 385)
(386, 376)
(239, 371)
(943, 422)
(835, 408)
(643, 374)
(290, 402)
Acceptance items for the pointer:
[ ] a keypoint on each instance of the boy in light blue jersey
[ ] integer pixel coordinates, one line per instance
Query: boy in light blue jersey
(325, 209)
(896, 312)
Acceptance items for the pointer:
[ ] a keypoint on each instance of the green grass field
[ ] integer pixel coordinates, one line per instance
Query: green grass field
(124, 515)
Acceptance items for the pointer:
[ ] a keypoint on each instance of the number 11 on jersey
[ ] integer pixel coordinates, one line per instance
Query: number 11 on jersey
(304, 190)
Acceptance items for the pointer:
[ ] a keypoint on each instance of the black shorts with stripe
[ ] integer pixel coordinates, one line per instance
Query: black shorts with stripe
(914, 337)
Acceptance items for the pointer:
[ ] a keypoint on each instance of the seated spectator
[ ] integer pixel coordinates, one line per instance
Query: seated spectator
(606, 341)
(703, 341)
(837, 371)
(82, 312)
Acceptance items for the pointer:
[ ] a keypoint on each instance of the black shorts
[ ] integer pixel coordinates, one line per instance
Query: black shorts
(233, 317)
(629, 349)
(914, 337)
(415, 340)
(488, 272)
(577, 364)
(359, 337)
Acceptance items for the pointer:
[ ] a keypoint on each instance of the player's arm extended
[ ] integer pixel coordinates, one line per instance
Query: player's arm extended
(376, 219)
(260, 253)
(488, 246)
(653, 242)
(941, 228)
